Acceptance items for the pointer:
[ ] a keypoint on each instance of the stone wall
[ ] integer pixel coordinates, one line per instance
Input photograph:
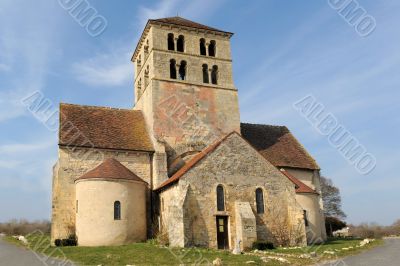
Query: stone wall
(316, 232)
(241, 170)
(73, 163)
(95, 223)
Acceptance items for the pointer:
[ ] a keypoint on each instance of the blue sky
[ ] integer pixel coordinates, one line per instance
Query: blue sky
(282, 51)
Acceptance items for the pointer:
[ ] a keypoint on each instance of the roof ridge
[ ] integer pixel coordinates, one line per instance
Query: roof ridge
(98, 107)
(267, 125)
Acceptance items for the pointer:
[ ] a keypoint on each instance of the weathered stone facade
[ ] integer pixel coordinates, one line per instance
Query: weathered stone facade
(183, 138)
(188, 208)
(72, 163)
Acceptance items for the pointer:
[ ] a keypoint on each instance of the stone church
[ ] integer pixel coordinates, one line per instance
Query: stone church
(180, 164)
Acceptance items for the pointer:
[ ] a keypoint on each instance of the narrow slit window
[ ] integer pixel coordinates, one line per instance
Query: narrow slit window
(214, 75)
(211, 48)
(172, 69)
(171, 43)
(182, 70)
(259, 200)
(180, 46)
(203, 50)
(117, 210)
(305, 217)
(220, 198)
(205, 74)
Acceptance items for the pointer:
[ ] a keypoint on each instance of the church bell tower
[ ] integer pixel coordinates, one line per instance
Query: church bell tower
(184, 86)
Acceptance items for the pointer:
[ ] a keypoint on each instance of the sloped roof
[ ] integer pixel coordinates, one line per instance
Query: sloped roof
(179, 21)
(300, 186)
(103, 127)
(278, 145)
(111, 169)
(193, 161)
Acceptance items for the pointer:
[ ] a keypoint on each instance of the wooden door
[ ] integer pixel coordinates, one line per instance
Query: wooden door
(222, 232)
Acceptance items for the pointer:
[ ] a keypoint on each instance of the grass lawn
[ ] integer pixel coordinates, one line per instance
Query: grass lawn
(151, 254)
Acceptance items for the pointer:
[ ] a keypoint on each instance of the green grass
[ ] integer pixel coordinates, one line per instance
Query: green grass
(151, 254)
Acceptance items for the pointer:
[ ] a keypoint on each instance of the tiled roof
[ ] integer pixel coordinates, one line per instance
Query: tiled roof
(193, 161)
(111, 169)
(179, 21)
(278, 145)
(300, 186)
(102, 127)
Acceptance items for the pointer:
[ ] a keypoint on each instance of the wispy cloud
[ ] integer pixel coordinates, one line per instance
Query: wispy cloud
(29, 57)
(113, 69)
(18, 148)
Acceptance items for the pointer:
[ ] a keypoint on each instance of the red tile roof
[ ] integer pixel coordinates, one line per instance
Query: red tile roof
(179, 21)
(193, 161)
(300, 186)
(111, 169)
(278, 145)
(102, 127)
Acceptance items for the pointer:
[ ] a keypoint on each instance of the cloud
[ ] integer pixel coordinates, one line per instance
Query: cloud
(105, 70)
(18, 148)
(24, 46)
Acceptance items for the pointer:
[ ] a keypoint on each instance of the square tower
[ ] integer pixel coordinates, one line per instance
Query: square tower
(184, 85)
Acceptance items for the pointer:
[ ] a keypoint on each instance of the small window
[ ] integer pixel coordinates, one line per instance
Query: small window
(182, 70)
(172, 69)
(259, 200)
(146, 77)
(76, 206)
(211, 48)
(180, 45)
(305, 217)
(214, 75)
(139, 62)
(171, 42)
(117, 210)
(205, 74)
(220, 198)
(203, 50)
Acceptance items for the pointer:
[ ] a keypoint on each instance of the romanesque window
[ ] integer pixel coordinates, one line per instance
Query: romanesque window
(211, 48)
(117, 210)
(139, 87)
(220, 198)
(172, 69)
(146, 49)
(146, 77)
(182, 70)
(305, 217)
(259, 200)
(180, 45)
(205, 74)
(139, 62)
(203, 50)
(214, 75)
(171, 42)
